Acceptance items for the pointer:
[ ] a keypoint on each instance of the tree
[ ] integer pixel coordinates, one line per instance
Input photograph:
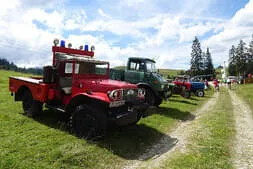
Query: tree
(250, 48)
(196, 58)
(240, 58)
(204, 62)
(209, 63)
(232, 55)
(232, 69)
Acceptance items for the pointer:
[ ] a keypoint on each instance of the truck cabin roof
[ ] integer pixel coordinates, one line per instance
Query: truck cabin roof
(141, 59)
(65, 57)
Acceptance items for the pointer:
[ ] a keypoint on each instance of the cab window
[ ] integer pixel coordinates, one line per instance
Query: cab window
(137, 66)
(69, 68)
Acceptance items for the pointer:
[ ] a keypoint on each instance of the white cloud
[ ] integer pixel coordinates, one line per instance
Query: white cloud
(101, 13)
(167, 35)
(239, 27)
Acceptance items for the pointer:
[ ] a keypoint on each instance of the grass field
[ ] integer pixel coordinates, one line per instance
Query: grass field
(43, 142)
(246, 93)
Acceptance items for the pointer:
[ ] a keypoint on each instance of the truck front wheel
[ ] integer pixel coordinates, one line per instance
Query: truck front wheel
(30, 106)
(150, 97)
(158, 101)
(88, 122)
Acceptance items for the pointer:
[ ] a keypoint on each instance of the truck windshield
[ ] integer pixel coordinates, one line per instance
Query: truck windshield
(150, 67)
(87, 68)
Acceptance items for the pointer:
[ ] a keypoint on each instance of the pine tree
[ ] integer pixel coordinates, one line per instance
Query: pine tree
(232, 55)
(240, 57)
(204, 62)
(209, 63)
(196, 58)
(250, 48)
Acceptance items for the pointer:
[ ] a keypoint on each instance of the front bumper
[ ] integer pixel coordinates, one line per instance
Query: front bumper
(128, 113)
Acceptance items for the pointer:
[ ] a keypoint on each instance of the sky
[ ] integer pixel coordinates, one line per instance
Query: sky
(158, 29)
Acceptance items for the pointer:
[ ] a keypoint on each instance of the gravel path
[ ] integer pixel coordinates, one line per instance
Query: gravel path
(177, 142)
(243, 144)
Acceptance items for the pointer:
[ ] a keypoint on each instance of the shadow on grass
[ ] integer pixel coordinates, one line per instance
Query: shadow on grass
(135, 142)
(172, 113)
(182, 101)
(128, 142)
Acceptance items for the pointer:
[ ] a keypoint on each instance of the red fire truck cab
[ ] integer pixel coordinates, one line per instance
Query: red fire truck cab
(79, 86)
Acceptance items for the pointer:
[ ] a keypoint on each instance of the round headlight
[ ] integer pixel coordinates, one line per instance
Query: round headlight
(69, 45)
(130, 92)
(56, 42)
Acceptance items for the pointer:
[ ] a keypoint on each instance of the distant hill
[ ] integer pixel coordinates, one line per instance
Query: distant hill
(170, 73)
(6, 65)
(167, 73)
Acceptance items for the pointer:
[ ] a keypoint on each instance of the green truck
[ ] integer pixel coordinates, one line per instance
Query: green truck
(142, 71)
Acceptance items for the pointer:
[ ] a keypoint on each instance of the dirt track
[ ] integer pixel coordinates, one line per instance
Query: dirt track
(243, 143)
(179, 139)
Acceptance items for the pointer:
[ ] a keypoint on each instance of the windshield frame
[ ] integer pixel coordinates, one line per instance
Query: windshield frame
(151, 69)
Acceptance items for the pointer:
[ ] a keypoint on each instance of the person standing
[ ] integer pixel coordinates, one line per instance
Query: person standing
(229, 83)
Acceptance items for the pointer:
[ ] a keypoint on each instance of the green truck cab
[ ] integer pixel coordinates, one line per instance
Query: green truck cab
(142, 71)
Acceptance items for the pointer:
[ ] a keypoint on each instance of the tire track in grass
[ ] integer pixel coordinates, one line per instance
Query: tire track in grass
(181, 133)
(243, 143)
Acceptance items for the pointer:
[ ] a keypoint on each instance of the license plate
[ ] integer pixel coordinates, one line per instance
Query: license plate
(117, 103)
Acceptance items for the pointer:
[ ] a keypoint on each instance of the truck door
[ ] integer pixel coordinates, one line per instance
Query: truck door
(135, 71)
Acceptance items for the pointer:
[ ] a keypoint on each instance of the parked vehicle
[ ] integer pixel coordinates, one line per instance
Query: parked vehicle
(142, 71)
(185, 87)
(79, 86)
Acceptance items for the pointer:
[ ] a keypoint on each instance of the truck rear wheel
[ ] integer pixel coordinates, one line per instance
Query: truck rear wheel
(200, 93)
(88, 122)
(30, 106)
(150, 97)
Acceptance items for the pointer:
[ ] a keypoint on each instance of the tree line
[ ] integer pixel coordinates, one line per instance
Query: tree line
(241, 59)
(6, 65)
(201, 62)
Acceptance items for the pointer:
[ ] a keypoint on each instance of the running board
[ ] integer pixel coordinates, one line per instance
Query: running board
(60, 109)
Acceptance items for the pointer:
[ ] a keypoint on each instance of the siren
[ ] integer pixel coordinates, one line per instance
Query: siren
(86, 47)
(62, 44)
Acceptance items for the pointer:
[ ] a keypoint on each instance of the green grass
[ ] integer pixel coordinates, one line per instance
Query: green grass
(210, 144)
(246, 93)
(43, 142)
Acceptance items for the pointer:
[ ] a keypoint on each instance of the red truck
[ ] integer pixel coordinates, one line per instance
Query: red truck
(79, 86)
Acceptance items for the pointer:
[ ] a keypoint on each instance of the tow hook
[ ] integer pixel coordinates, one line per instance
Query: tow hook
(130, 109)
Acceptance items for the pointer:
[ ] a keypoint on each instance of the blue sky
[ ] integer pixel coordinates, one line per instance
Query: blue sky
(161, 29)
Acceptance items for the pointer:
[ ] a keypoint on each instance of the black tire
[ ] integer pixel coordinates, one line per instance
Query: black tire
(150, 97)
(158, 101)
(31, 107)
(139, 116)
(200, 93)
(88, 122)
